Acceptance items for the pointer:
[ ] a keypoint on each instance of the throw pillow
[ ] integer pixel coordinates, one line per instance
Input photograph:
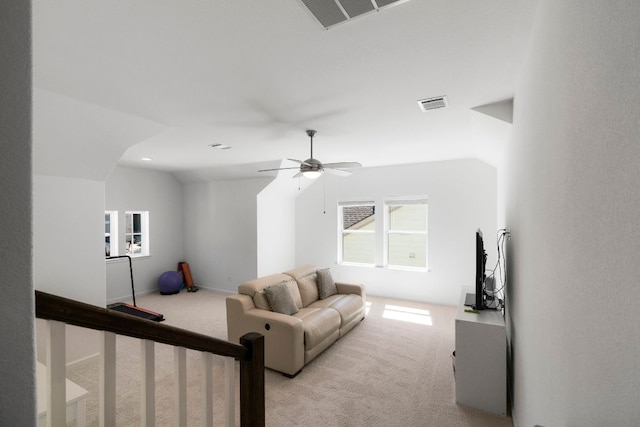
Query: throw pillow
(326, 285)
(280, 299)
(260, 301)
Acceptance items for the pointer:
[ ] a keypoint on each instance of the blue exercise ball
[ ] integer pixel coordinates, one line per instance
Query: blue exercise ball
(170, 282)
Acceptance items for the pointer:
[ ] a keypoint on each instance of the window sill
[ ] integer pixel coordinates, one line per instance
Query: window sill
(386, 267)
(416, 269)
(133, 258)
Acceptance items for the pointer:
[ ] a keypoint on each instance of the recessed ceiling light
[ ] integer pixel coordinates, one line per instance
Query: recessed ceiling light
(219, 146)
(146, 159)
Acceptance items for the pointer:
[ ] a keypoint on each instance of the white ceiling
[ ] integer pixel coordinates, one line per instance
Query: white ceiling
(164, 79)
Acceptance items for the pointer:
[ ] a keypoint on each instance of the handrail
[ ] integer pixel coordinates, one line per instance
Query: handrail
(250, 351)
(53, 307)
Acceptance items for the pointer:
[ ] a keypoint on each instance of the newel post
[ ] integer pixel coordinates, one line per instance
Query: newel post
(252, 381)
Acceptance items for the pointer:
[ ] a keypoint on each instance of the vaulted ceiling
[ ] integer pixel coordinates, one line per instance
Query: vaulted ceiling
(115, 82)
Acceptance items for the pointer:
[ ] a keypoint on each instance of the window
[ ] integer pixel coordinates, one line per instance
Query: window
(400, 240)
(358, 226)
(136, 233)
(110, 233)
(406, 233)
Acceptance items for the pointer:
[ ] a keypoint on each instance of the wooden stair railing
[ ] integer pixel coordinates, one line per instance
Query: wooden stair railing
(250, 352)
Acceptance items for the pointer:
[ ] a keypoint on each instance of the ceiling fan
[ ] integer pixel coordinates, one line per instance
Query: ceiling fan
(312, 168)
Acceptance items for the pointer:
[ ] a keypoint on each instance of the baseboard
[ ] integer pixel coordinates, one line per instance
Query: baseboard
(221, 291)
(139, 294)
(129, 297)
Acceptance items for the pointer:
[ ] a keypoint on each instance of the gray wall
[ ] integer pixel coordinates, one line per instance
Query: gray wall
(573, 173)
(160, 193)
(17, 357)
(221, 231)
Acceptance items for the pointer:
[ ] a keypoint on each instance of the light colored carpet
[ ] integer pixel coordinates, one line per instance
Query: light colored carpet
(385, 372)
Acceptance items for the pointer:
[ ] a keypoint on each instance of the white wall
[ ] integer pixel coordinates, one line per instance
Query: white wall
(68, 238)
(462, 198)
(160, 193)
(572, 204)
(276, 211)
(67, 251)
(221, 231)
(17, 357)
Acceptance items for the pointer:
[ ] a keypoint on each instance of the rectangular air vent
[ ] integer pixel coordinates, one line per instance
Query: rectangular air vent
(433, 103)
(333, 12)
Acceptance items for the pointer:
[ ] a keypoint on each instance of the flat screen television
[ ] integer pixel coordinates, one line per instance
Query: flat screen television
(477, 300)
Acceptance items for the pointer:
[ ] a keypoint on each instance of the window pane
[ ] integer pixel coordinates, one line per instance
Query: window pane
(358, 247)
(127, 224)
(134, 244)
(107, 234)
(137, 223)
(408, 250)
(358, 217)
(408, 218)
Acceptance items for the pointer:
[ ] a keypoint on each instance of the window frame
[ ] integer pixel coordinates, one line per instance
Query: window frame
(390, 203)
(381, 231)
(112, 233)
(145, 247)
(342, 232)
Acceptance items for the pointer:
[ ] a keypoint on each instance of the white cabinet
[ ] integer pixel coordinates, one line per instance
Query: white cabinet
(481, 359)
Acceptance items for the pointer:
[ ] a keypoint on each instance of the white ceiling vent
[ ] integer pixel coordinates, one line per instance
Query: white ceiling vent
(333, 12)
(433, 103)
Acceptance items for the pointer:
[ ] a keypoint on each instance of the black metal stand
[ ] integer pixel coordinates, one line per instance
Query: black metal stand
(133, 309)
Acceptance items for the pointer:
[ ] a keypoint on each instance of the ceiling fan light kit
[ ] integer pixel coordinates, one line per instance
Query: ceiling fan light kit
(312, 168)
(312, 174)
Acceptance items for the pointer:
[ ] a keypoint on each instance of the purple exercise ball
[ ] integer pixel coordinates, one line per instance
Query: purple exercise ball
(170, 282)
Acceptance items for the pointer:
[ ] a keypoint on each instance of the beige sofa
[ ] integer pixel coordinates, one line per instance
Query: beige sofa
(293, 340)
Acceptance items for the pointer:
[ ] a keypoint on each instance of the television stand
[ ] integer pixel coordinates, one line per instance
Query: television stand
(481, 358)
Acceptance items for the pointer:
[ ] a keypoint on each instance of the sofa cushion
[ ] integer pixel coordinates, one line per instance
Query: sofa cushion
(348, 306)
(325, 283)
(318, 324)
(306, 278)
(279, 298)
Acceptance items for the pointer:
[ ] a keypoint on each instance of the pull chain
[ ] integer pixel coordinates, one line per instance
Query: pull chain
(324, 197)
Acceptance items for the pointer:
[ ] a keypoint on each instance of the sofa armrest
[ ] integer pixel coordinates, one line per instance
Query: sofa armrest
(352, 288)
(283, 338)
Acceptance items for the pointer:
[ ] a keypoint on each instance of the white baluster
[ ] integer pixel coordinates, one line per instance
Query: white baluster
(108, 380)
(229, 391)
(180, 372)
(147, 355)
(207, 389)
(56, 375)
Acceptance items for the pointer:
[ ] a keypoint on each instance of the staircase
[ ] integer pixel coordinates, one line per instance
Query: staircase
(59, 311)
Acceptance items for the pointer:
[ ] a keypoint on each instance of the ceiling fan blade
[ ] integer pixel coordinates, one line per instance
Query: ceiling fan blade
(338, 172)
(343, 165)
(276, 169)
(300, 162)
(298, 175)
